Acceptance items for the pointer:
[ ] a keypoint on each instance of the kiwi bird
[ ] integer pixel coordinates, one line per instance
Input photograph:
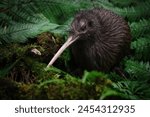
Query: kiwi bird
(98, 40)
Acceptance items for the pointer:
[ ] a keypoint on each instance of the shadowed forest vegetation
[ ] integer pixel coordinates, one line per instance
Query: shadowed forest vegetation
(31, 32)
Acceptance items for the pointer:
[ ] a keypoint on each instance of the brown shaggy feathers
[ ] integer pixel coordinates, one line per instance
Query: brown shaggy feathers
(106, 42)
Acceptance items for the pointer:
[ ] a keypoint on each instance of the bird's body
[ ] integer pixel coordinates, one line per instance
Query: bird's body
(106, 45)
(99, 39)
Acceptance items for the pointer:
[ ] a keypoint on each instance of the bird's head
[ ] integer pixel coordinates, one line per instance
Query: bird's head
(83, 27)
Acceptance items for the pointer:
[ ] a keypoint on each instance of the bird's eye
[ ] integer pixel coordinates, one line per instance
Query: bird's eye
(82, 25)
(83, 28)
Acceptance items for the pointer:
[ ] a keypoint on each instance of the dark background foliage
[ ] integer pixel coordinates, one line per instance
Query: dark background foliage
(21, 21)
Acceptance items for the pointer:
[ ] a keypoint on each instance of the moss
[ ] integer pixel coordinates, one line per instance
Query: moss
(67, 89)
(23, 75)
(52, 88)
(8, 89)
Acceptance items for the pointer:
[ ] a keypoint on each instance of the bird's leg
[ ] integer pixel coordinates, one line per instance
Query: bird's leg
(120, 71)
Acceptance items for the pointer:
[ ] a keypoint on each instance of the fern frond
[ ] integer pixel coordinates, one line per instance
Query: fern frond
(121, 3)
(133, 89)
(138, 70)
(140, 28)
(115, 77)
(23, 19)
(103, 3)
(137, 87)
(142, 48)
(125, 3)
(20, 32)
(19, 10)
(53, 10)
(133, 13)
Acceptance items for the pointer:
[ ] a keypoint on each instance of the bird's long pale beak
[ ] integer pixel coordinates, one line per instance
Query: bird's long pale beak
(69, 41)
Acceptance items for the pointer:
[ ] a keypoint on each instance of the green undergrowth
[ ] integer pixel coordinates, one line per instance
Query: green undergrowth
(31, 32)
(27, 78)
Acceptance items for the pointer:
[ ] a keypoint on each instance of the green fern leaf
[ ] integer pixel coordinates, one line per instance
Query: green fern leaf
(140, 28)
(133, 13)
(21, 32)
(133, 89)
(138, 70)
(19, 10)
(23, 19)
(122, 3)
(141, 47)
